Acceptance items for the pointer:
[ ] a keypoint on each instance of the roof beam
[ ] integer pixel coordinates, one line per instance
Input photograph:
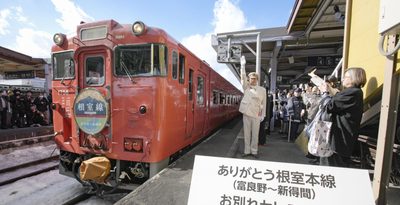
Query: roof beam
(289, 72)
(248, 47)
(284, 66)
(317, 17)
(310, 52)
(293, 15)
(264, 55)
(277, 48)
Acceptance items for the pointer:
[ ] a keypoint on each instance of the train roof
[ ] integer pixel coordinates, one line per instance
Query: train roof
(116, 34)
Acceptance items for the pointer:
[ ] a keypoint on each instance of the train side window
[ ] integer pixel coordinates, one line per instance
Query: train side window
(174, 65)
(160, 66)
(63, 65)
(190, 88)
(94, 69)
(215, 97)
(200, 90)
(221, 98)
(181, 69)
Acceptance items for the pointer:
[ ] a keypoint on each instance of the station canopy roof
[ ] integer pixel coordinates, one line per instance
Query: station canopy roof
(312, 37)
(11, 61)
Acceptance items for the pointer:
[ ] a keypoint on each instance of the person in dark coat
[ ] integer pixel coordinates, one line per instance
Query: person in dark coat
(270, 112)
(3, 109)
(262, 134)
(18, 109)
(42, 104)
(37, 118)
(50, 100)
(295, 109)
(346, 108)
(28, 103)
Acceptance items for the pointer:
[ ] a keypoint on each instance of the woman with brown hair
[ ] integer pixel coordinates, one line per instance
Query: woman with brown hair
(346, 108)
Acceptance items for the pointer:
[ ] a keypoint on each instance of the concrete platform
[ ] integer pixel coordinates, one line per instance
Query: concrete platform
(171, 186)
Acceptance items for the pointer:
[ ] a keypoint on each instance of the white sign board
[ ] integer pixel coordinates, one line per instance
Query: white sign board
(229, 55)
(228, 181)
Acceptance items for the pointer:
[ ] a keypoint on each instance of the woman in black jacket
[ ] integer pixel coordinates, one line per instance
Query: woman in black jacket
(346, 108)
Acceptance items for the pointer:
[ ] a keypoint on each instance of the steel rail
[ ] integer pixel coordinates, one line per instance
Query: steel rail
(14, 179)
(27, 164)
(27, 138)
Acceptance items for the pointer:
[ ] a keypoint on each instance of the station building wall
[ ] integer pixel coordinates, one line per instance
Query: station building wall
(363, 43)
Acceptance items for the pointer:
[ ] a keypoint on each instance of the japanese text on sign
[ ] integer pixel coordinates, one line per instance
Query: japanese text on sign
(227, 181)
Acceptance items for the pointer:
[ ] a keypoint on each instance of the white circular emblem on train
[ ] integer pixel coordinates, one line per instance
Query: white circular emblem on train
(91, 111)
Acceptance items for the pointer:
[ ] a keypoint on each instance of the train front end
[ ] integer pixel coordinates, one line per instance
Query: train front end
(105, 90)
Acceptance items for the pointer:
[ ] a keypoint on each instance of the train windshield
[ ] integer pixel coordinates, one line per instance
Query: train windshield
(94, 68)
(63, 65)
(141, 60)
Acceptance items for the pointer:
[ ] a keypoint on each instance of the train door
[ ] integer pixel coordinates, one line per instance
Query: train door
(93, 64)
(199, 103)
(190, 104)
(92, 105)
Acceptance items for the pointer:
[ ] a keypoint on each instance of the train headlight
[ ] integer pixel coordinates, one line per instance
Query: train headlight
(138, 28)
(59, 38)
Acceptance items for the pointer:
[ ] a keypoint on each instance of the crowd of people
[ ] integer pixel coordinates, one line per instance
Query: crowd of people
(296, 106)
(300, 106)
(345, 106)
(25, 109)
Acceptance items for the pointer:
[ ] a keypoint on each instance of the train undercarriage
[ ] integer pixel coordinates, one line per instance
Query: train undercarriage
(119, 174)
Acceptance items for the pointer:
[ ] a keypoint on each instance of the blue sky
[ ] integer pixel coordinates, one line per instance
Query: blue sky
(27, 26)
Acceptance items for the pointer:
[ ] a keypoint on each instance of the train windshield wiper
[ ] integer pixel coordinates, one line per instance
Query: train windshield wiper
(63, 78)
(67, 73)
(122, 63)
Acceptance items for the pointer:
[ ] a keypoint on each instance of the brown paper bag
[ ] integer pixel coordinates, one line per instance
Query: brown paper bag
(302, 142)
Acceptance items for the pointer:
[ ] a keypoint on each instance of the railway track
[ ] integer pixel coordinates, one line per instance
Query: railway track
(26, 140)
(11, 174)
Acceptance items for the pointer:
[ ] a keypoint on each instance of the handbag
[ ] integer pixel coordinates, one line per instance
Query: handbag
(320, 142)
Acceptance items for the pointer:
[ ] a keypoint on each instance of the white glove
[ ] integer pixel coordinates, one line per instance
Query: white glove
(242, 61)
(261, 119)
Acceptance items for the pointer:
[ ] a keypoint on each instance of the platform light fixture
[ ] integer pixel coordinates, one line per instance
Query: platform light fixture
(59, 39)
(138, 28)
(291, 59)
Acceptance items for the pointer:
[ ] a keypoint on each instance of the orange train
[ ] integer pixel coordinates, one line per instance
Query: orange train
(127, 99)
